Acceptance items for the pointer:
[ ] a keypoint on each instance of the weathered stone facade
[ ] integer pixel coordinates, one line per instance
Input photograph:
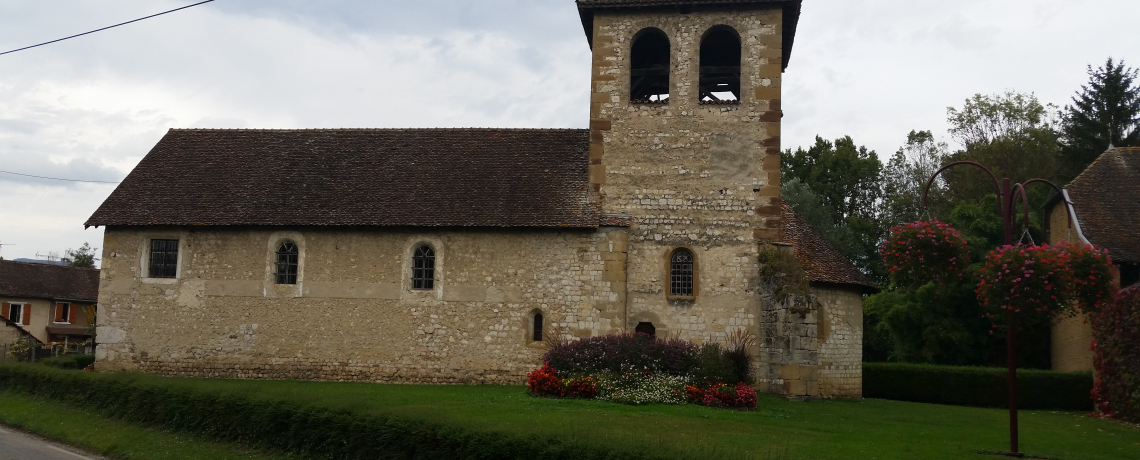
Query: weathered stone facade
(669, 175)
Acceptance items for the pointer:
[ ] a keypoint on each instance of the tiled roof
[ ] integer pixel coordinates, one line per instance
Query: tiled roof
(370, 177)
(43, 281)
(1106, 200)
(822, 262)
(791, 14)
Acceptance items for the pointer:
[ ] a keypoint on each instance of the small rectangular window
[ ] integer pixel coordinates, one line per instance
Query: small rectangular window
(16, 313)
(163, 258)
(63, 312)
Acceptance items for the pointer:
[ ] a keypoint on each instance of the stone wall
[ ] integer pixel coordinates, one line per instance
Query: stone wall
(812, 346)
(353, 315)
(699, 176)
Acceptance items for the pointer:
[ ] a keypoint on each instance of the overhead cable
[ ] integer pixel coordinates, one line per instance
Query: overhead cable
(105, 28)
(56, 178)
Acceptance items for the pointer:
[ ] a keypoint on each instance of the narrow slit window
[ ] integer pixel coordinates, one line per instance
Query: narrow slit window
(423, 268)
(649, 67)
(536, 334)
(720, 66)
(681, 273)
(163, 258)
(287, 258)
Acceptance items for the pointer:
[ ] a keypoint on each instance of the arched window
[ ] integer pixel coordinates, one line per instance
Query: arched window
(646, 328)
(287, 263)
(681, 273)
(720, 65)
(536, 326)
(649, 67)
(423, 268)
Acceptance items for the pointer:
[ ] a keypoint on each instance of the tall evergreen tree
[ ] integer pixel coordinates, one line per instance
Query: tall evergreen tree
(1105, 110)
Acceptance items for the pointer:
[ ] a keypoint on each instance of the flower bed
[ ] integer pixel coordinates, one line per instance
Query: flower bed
(639, 369)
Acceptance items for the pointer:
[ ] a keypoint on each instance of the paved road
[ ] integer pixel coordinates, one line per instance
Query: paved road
(16, 445)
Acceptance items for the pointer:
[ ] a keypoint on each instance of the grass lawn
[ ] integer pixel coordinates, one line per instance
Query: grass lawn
(113, 438)
(779, 429)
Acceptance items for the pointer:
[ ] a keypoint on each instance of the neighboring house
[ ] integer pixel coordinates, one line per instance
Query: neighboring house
(1105, 213)
(448, 255)
(49, 302)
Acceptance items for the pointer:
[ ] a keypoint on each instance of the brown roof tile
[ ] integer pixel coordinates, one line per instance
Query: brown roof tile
(791, 14)
(44, 281)
(371, 177)
(1106, 200)
(822, 262)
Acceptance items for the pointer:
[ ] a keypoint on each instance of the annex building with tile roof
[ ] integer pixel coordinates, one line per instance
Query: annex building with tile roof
(448, 255)
(1104, 212)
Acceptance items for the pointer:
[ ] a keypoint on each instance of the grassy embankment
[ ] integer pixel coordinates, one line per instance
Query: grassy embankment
(778, 429)
(113, 438)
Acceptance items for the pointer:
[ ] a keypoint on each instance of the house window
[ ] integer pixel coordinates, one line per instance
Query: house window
(423, 268)
(17, 313)
(163, 258)
(681, 273)
(720, 65)
(287, 263)
(649, 67)
(536, 329)
(63, 312)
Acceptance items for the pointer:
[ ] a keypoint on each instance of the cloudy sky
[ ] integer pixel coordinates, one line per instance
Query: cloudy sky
(91, 107)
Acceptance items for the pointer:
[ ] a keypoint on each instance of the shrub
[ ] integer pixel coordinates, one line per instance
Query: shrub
(714, 365)
(310, 430)
(918, 252)
(69, 361)
(634, 387)
(977, 386)
(1116, 344)
(619, 353)
(719, 394)
(544, 382)
(582, 387)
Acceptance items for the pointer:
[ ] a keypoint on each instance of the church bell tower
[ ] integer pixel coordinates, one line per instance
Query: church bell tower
(685, 139)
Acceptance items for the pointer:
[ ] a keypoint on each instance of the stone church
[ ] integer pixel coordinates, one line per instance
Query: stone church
(447, 255)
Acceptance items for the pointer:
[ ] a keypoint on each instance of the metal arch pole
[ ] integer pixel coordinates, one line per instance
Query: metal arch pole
(1006, 204)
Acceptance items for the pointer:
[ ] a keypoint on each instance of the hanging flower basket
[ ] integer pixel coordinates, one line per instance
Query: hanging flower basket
(1093, 281)
(1025, 280)
(925, 251)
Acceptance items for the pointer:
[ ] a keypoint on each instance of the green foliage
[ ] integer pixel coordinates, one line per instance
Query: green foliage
(783, 275)
(905, 178)
(1104, 111)
(714, 365)
(1011, 133)
(1116, 346)
(809, 206)
(84, 257)
(847, 181)
(69, 361)
(977, 386)
(311, 430)
(779, 429)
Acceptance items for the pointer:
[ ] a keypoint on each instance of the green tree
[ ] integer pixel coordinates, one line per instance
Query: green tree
(845, 177)
(906, 175)
(1011, 133)
(84, 257)
(1106, 110)
(846, 180)
(822, 218)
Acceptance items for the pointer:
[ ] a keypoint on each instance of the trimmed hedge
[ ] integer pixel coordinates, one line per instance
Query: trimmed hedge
(313, 431)
(977, 386)
(69, 361)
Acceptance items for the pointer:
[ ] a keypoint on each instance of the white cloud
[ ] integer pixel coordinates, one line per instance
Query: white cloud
(91, 107)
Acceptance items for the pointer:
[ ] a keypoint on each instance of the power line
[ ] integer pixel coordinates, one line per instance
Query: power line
(56, 178)
(105, 28)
